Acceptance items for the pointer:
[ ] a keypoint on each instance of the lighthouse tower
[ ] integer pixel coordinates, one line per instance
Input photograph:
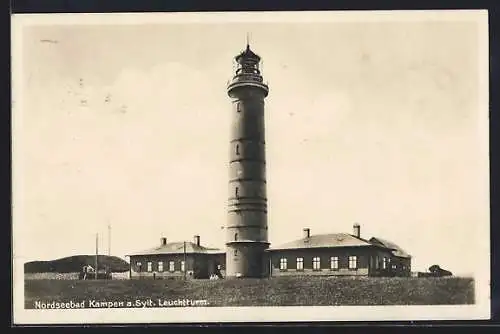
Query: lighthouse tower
(246, 238)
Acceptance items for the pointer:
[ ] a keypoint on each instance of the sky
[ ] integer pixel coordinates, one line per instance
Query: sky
(377, 122)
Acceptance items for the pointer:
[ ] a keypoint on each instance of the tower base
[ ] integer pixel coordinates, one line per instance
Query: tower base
(247, 260)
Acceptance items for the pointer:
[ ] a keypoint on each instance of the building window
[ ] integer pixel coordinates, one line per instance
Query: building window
(237, 149)
(394, 266)
(160, 266)
(384, 263)
(283, 265)
(171, 266)
(316, 263)
(376, 262)
(183, 266)
(353, 262)
(334, 263)
(300, 263)
(138, 264)
(150, 266)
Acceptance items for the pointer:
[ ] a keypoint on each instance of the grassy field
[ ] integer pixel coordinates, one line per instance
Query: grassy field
(283, 291)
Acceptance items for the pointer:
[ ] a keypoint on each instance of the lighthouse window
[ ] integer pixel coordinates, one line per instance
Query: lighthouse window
(238, 106)
(237, 149)
(236, 191)
(235, 236)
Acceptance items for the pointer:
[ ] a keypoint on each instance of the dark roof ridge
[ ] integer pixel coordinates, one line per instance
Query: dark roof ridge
(324, 241)
(397, 250)
(177, 247)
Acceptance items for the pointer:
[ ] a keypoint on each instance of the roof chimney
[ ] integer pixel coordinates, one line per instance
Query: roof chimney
(307, 233)
(197, 240)
(356, 230)
(163, 241)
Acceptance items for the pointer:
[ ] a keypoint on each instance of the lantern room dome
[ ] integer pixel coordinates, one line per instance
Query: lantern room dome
(247, 55)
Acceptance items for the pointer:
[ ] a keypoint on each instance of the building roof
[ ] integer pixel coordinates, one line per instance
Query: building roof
(397, 251)
(326, 241)
(178, 248)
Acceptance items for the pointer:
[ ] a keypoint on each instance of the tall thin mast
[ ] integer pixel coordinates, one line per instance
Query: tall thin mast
(96, 252)
(185, 264)
(109, 239)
